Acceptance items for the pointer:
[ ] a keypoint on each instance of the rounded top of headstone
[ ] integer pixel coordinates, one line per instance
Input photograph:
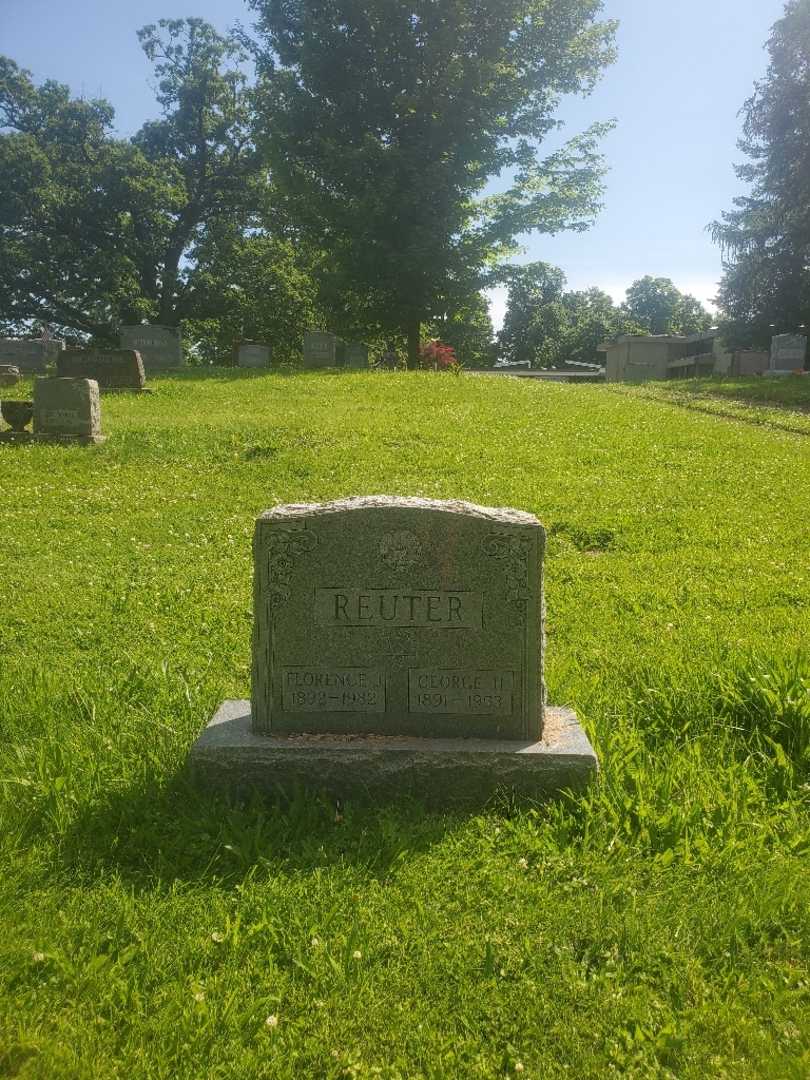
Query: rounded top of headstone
(66, 380)
(499, 515)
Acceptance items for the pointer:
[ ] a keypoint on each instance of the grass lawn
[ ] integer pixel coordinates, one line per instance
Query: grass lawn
(782, 402)
(656, 927)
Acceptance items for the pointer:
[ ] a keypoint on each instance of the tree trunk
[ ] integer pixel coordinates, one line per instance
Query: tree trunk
(412, 331)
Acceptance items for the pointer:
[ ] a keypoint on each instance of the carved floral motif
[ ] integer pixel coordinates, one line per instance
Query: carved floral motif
(514, 551)
(284, 546)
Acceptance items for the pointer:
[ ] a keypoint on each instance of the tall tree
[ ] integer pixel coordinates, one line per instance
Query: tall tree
(535, 319)
(468, 329)
(65, 183)
(204, 139)
(592, 319)
(658, 307)
(766, 237)
(386, 118)
(250, 285)
(549, 326)
(96, 230)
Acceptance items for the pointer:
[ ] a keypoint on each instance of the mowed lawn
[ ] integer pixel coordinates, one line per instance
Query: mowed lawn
(780, 402)
(656, 927)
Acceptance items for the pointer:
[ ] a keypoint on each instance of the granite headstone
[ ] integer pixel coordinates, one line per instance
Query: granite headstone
(160, 347)
(67, 409)
(250, 354)
(112, 369)
(397, 649)
(399, 617)
(30, 355)
(322, 350)
(788, 352)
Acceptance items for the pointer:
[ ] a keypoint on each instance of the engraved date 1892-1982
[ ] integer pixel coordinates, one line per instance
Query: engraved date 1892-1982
(333, 690)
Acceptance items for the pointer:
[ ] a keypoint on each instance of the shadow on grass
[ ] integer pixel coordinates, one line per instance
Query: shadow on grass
(180, 832)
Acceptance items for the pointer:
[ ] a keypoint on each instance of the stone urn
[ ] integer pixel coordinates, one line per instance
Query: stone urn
(17, 413)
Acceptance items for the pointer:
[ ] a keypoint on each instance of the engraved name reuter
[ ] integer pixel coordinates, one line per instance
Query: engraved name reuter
(399, 607)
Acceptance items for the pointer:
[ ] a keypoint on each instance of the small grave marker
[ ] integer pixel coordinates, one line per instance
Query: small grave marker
(67, 410)
(250, 354)
(322, 350)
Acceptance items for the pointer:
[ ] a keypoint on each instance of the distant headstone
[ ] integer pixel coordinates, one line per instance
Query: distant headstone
(112, 369)
(249, 354)
(9, 375)
(67, 409)
(788, 352)
(397, 647)
(356, 355)
(159, 346)
(321, 350)
(389, 361)
(30, 355)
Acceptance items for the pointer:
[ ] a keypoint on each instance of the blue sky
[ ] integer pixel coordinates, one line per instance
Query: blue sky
(684, 70)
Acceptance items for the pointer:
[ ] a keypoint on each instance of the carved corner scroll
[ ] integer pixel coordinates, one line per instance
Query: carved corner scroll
(514, 551)
(283, 548)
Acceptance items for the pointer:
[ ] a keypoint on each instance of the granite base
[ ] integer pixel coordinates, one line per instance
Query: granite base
(438, 772)
(125, 389)
(63, 440)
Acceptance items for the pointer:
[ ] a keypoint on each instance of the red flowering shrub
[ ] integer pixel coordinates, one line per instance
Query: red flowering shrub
(436, 356)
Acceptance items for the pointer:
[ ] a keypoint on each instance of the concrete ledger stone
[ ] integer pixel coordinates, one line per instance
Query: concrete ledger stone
(456, 772)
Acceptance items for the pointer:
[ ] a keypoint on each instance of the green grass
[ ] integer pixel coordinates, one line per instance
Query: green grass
(656, 927)
(782, 402)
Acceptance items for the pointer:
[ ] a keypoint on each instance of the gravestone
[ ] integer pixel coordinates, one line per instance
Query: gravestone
(32, 355)
(112, 369)
(159, 346)
(249, 354)
(397, 642)
(67, 410)
(788, 352)
(389, 361)
(9, 375)
(322, 350)
(356, 355)
(383, 627)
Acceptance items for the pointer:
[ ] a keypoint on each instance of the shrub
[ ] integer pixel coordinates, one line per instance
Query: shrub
(436, 356)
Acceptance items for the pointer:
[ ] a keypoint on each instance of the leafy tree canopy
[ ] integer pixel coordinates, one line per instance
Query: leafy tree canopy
(384, 120)
(766, 237)
(550, 327)
(96, 230)
(658, 307)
